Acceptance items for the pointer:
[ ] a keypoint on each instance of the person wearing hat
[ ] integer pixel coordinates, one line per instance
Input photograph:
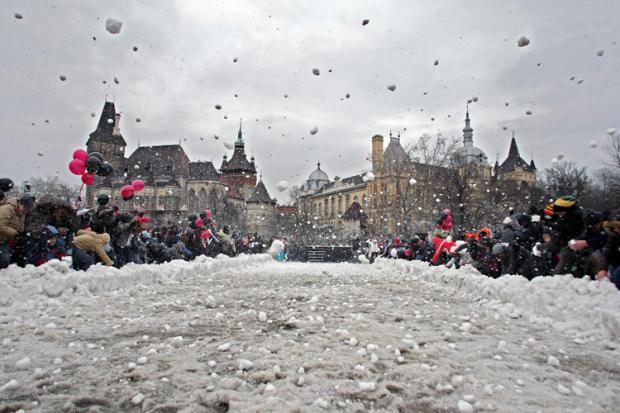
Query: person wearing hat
(568, 226)
(609, 264)
(12, 215)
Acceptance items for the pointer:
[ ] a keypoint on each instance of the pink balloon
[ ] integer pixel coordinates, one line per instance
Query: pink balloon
(138, 185)
(127, 191)
(88, 178)
(77, 167)
(81, 155)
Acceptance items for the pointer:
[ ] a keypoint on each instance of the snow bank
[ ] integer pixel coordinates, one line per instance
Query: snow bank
(56, 279)
(578, 306)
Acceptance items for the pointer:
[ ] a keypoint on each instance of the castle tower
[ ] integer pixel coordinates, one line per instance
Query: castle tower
(107, 138)
(377, 155)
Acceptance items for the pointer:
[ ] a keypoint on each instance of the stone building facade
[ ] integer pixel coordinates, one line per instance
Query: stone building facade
(175, 186)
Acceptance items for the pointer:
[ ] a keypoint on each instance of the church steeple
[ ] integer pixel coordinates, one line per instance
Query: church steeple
(239, 141)
(468, 132)
(513, 152)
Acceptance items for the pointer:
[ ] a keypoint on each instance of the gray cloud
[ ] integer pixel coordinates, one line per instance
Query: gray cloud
(184, 67)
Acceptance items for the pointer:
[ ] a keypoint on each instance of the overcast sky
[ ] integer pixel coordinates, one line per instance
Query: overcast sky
(184, 67)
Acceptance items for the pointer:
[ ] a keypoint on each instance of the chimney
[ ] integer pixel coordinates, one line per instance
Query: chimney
(117, 127)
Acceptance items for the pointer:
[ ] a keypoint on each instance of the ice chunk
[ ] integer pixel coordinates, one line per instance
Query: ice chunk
(391, 87)
(10, 385)
(601, 52)
(23, 364)
(553, 361)
(365, 22)
(314, 130)
(316, 72)
(367, 385)
(137, 399)
(465, 407)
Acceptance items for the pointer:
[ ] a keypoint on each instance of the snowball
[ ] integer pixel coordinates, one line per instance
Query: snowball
(506, 104)
(92, 114)
(63, 78)
(276, 248)
(137, 399)
(465, 407)
(370, 176)
(40, 153)
(235, 60)
(314, 130)
(229, 145)
(412, 181)
(593, 144)
(262, 316)
(110, 121)
(560, 156)
(316, 72)
(245, 364)
(475, 98)
(601, 52)
(611, 131)
(365, 22)
(23, 364)
(135, 48)
(436, 62)
(11, 385)
(176, 341)
(18, 16)
(523, 41)
(553, 361)
(391, 87)
(218, 107)
(113, 26)
(367, 385)
(138, 120)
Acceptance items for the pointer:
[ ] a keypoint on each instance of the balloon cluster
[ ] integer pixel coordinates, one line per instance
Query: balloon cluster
(5, 186)
(128, 191)
(88, 165)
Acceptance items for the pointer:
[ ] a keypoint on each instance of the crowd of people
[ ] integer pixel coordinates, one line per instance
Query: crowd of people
(36, 231)
(562, 238)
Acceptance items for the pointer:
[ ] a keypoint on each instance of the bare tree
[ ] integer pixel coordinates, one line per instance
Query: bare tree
(613, 150)
(54, 186)
(566, 178)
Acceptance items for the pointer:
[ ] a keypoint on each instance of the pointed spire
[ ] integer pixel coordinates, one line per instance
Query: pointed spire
(513, 152)
(318, 165)
(239, 141)
(468, 132)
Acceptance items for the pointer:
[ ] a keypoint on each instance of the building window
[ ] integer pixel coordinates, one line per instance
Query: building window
(363, 201)
(340, 205)
(326, 207)
(332, 211)
(347, 201)
(355, 199)
(319, 209)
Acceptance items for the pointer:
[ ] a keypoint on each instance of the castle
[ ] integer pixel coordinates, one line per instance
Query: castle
(403, 195)
(176, 187)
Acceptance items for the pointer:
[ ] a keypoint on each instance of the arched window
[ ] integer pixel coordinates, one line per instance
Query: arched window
(192, 201)
(202, 200)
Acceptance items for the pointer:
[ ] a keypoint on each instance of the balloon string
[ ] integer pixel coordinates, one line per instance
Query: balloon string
(78, 201)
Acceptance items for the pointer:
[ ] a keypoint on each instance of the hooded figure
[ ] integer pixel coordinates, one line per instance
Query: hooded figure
(609, 265)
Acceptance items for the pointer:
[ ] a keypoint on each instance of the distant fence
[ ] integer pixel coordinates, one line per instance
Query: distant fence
(317, 253)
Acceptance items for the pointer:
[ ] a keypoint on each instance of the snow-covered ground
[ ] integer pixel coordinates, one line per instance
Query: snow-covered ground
(252, 334)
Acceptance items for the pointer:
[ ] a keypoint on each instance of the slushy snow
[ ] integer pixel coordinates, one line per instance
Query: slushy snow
(392, 336)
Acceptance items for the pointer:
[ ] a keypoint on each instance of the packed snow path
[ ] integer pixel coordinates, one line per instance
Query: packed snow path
(250, 334)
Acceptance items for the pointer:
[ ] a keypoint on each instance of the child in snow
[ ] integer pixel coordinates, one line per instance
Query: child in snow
(86, 243)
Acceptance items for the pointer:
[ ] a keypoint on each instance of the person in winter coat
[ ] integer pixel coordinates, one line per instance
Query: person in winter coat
(443, 228)
(228, 243)
(87, 243)
(442, 251)
(11, 224)
(568, 226)
(609, 264)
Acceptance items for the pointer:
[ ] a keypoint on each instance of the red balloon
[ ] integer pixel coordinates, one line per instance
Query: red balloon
(88, 178)
(209, 214)
(81, 155)
(127, 191)
(77, 167)
(144, 220)
(138, 185)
